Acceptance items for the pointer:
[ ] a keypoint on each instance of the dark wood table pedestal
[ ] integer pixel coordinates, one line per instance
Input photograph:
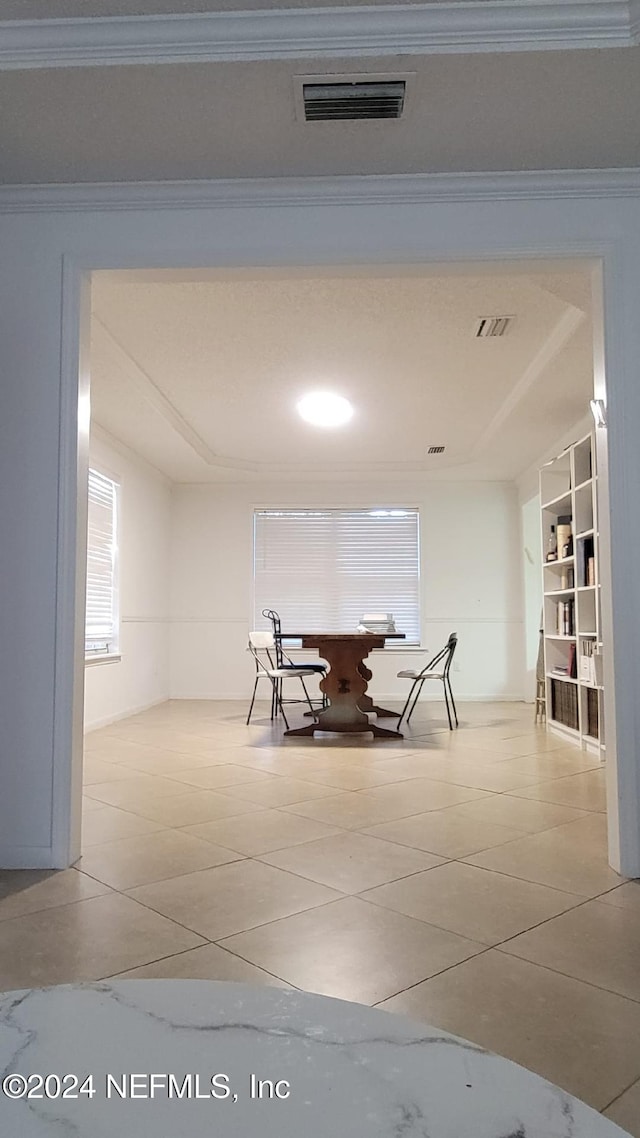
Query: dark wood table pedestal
(366, 703)
(345, 684)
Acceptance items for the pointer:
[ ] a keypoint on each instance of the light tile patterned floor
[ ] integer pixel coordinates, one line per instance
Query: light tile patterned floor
(458, 877)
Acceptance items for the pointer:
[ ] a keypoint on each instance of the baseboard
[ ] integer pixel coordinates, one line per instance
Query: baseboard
(384, 697)
(241, 696)
(27, 857)
(97, 723)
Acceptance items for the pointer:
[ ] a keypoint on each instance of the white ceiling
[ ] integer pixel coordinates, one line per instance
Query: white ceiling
(510, 112)
(484, 112)
(502, 110)
(200, 375)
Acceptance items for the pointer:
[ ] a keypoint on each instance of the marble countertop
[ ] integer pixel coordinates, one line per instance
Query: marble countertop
(286, 1065)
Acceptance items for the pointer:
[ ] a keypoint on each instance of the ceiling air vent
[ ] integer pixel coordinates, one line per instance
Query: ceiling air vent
(435, 450)
(362, 99)
(487, 327)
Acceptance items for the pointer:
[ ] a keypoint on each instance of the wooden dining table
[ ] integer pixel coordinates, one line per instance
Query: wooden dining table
(345, 683)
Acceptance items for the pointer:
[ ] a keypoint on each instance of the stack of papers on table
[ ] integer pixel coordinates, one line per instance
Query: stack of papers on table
(380, 622)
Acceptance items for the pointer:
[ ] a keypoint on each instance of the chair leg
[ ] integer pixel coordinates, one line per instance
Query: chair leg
(278, 698)
(307, 696)
(416, 689)
(453, 702)
(446, 700)
(416, 698)
(407, 702)
(253, 699)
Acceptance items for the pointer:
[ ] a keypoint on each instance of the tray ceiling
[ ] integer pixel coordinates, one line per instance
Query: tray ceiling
(201, 375)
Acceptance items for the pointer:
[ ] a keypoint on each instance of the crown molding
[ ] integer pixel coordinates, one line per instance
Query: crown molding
(557, 339)
(408, 29)
(373, 189)
(104, 341)
(103, 437)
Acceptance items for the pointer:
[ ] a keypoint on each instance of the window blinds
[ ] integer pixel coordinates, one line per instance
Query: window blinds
(323, 569)
(101, 614)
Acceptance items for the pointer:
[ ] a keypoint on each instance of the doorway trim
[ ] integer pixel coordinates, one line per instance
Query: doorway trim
(319, 222)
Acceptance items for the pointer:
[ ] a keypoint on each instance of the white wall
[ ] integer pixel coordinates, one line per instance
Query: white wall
(140, 677)
(470, 583)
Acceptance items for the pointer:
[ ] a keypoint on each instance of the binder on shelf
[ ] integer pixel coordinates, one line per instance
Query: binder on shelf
(587, 662)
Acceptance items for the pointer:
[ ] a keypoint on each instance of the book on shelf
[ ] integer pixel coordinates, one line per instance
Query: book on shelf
(564, 703)
(568, 670)
(566, 578)
(587, 569)
(565, 621)
(593, 727)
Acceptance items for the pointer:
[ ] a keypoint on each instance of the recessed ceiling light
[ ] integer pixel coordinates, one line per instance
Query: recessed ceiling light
(324, 409)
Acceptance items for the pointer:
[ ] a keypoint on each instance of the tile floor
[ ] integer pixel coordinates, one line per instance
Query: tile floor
(460, 878)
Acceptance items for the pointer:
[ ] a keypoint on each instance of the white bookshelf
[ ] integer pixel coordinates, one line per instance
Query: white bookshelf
(571, 599)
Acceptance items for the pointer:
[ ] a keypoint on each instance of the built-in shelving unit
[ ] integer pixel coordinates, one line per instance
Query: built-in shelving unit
(571, 597)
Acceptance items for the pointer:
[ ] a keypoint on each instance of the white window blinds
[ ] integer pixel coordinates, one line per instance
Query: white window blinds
(323, 569)
(101, 626)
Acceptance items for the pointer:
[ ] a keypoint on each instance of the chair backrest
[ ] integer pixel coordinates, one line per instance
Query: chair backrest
(450, 649)
(276, 630)
(262, 646)
(444, 657)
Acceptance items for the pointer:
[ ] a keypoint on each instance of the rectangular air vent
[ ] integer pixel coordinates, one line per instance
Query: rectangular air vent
(489, 326)
(435, 450)
(365, 99)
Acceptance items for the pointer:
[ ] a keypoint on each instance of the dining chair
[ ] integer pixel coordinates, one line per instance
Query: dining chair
(262, 646)
(431, 671)
(285, 662)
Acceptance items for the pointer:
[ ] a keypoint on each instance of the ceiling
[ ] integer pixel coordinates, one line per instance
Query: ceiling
(200, 373)
(479, 112)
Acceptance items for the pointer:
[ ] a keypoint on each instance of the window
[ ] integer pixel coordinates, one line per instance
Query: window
(101, 624)
(323, 569)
